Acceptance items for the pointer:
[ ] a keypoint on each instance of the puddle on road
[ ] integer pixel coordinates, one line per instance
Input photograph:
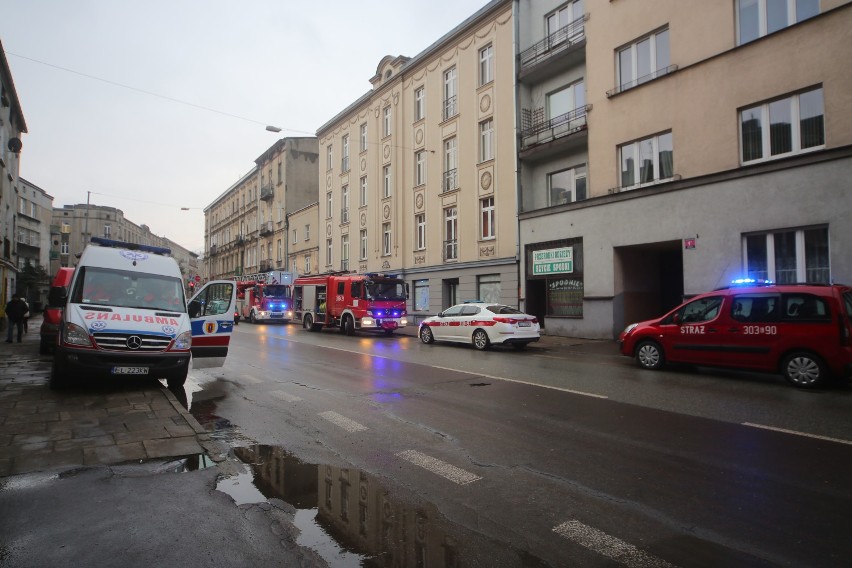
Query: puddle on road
(352, 518)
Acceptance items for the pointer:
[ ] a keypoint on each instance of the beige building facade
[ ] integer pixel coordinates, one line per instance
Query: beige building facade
(417, 177)
(303, 253)
(718, 145)
(246, 228)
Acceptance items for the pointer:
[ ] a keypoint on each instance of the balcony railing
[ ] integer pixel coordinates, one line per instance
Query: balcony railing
(267, 192)
(557, 126)
(240, 240)
(643, 79)
(450, 107)
(555, 43)
(266, 265)
(451, 180)
(266, 228)
(214, 250)
(451, 249)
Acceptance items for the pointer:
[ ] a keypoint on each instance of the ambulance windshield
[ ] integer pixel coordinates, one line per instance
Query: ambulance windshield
(385, 290)
(120, 288)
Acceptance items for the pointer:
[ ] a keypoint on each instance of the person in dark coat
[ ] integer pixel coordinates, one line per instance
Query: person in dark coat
(15, 310)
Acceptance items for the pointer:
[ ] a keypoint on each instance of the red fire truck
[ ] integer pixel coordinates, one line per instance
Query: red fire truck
(266, 296)
(349, 302)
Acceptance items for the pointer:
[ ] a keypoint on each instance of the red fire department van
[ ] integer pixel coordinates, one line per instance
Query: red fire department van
(349, 302)
(801, 331)
(265, 296)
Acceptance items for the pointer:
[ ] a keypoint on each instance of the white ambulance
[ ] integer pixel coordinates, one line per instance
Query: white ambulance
(126, 316)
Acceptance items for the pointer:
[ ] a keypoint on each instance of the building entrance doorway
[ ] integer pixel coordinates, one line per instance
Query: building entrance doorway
(648, 281)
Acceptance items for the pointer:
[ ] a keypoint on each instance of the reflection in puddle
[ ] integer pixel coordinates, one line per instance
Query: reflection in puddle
(351, 519)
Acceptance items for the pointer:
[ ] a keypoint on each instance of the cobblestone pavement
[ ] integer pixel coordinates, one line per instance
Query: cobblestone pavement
(43, 429)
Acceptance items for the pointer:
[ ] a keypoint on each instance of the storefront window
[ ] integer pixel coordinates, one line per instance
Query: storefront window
(421, 295)
(489, 288)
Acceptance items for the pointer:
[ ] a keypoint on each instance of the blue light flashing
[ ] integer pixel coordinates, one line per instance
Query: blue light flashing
(751, 282)
(130, 246)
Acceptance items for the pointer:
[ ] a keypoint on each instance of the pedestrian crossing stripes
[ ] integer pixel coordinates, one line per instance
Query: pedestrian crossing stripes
(609, 546)
(436, 466)
(342, 421)
(285, 396)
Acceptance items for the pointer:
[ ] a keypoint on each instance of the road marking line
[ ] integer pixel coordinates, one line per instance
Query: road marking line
(342, 421)
(608, 545)
(797, 433)
(285, 396)
(445, 470)
(496, 378)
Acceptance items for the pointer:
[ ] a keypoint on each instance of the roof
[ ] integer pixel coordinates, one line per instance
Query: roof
(6, 77)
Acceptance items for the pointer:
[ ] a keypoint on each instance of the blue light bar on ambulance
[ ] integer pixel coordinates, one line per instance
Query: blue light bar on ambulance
(130, 246)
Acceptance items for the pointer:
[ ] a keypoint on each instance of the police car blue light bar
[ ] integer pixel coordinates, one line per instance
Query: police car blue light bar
(751, 281)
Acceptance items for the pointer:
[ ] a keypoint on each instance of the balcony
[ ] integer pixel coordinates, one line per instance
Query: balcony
(266, 265)
(267, 192)
(539, 132)
(562, 47)
(240, 240)
(450, 107)
(451, 180)
(266, 229)
(214, 250)
(451, 250)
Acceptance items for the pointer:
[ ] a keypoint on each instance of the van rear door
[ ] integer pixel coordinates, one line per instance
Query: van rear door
(211, 313)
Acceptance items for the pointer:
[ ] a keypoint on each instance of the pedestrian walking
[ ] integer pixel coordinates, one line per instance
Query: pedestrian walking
(26, 316)
(15, 310)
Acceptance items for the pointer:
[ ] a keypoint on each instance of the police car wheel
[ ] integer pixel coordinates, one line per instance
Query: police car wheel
(804, 370)
(480, 340)
(650, 355)
(426, 335)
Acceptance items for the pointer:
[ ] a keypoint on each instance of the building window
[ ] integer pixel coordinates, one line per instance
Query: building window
(488, 288)
(565, 15)
(419, 168)
(450, 164)
(363, 137)
(64, 247)
(450, 93)
(363, 255)
(486, 65)
(421, 295)
(486, 140)
(419, 103)
(328, 158)
(386, 239)
(566, 186)
(295, 235)
(107, 230)
(363, 191)
(344, 252)
(486, 218)
(344, 154)
(757, 18)
(789, 256)
(307, 232)
(564, 105)
(328, 202)
(344, 204)
(328, 250)
(796, 124)
(386, 181)
(643, 60)
(451, 245)
(420, 225)
(307, 264)
(386, 121)
(278, 251)
(654, 157)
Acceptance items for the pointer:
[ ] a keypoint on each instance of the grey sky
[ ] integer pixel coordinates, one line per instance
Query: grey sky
(286, 63)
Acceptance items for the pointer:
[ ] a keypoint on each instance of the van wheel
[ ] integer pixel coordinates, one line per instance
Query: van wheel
(348, 325)
(804, 370)
(308, 322)
(480, 340)
(650, 355)
(252, 319)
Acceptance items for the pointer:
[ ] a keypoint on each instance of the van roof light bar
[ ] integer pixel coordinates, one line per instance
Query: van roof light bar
(130, 246)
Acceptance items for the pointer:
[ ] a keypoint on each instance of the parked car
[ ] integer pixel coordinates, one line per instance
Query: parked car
(801, 331)
(481, 324)
(53, 312)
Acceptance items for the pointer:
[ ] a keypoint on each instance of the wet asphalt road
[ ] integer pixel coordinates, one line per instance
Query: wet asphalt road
(565, 454)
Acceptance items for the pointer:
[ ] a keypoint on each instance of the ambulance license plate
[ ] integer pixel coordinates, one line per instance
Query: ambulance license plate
(130, 370)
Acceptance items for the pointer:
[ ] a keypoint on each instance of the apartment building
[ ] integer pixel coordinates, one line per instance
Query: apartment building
(73, 226)
(417, 176)
(12, 125)
(717, 144)
(245, 228)
(303, 252)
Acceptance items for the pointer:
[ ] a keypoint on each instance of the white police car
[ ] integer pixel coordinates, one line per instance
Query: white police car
(482, 324)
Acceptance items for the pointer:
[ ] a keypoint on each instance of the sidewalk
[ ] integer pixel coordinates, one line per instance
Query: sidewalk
(42, 429)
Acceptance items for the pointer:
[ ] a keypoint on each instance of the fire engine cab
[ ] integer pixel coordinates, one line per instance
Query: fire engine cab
(349, 302)
(265, 296)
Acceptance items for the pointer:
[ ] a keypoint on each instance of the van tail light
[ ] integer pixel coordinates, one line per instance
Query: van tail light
(844, 333)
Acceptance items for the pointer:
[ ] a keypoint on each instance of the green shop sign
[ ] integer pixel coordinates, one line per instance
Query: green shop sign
(553, 261)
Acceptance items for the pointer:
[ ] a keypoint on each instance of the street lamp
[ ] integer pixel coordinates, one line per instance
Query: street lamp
(271, 128)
